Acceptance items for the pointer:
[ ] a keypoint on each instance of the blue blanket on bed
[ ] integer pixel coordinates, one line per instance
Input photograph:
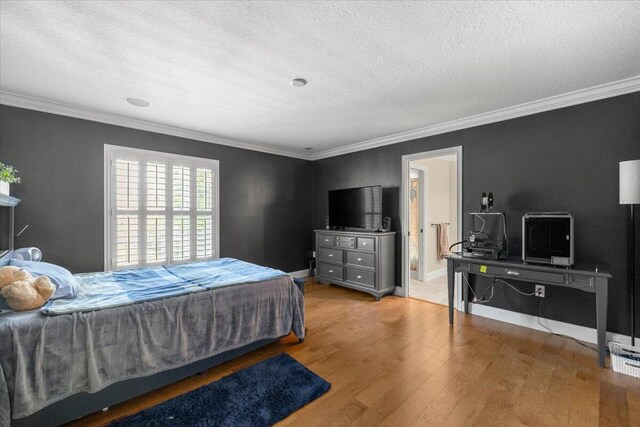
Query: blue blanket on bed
(97, 291)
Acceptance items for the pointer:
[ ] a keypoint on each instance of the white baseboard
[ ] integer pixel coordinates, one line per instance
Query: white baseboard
(435, 274)
(581, 333)
(299, 273)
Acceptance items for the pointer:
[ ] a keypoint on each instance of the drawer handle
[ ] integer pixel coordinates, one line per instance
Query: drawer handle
(330, 271)
(330, 255)
(364, 243)
(513, 273)
(359, 259)
(326, 240)
(359, 277)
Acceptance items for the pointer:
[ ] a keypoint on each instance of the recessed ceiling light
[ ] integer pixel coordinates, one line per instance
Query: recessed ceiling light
(298, 82)
(138, 102)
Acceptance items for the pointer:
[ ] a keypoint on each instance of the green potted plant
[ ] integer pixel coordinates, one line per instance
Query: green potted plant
(8, 175)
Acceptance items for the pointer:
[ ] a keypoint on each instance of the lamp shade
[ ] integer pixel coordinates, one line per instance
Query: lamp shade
(630, 182)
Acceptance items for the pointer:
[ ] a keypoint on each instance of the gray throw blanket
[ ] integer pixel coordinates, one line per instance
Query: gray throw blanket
(44, 359)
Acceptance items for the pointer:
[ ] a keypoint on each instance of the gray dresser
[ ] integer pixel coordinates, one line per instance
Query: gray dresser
(359, 260)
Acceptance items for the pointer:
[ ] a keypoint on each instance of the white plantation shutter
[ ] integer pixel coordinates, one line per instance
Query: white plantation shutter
(181, 237)
(127, 227)
(204, 207)
(181, 188)
(156, 211)
(181, 204)
(203, 237)
(161, 208)
(156, 249)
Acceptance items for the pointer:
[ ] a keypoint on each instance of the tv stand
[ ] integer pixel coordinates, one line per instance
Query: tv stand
(361, 260)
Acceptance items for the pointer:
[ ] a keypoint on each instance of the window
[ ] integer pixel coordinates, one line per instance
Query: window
(159, 208)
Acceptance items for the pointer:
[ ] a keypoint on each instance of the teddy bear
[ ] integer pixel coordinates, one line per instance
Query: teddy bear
(23, 292)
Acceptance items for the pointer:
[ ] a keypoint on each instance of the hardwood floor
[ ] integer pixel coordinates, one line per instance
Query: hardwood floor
(398, 362)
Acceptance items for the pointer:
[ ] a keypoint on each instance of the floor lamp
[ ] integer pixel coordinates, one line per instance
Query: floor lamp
(630, 195)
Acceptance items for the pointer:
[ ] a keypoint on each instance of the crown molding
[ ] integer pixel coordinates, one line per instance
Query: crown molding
(63, 109)
(595, 93)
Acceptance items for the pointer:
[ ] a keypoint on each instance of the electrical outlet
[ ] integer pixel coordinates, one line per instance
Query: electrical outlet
(539, 291)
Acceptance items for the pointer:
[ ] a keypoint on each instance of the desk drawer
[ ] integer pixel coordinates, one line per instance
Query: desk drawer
(326, 240)
(580, 282)
(361, 259)
(516, 274)
(330, 271)
(330, 255)
(361, 277)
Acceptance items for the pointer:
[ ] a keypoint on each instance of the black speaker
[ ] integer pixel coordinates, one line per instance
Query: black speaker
(386, 223)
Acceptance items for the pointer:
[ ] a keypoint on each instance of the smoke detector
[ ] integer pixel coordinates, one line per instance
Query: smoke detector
(138, 102)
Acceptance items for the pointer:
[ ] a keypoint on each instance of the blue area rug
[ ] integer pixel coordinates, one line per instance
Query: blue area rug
(260, 395)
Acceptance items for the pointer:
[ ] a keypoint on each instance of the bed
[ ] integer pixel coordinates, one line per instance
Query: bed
(68, 360)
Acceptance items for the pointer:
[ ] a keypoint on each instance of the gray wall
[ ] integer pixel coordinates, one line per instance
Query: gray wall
(265, 206)
(562, 160)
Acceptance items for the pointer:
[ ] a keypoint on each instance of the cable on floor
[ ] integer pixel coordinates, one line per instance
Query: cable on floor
(557, 334)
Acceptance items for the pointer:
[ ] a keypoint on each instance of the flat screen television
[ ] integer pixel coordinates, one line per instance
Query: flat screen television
(356, 208)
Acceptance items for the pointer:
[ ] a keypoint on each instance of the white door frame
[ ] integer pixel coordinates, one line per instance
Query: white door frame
(423, 219)
(404, 213)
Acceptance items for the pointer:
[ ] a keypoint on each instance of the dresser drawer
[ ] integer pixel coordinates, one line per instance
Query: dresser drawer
(330, 271)
(366, 244)
(326, 240)
(361, 259)
(361, 277)
(344, 244)
(330, 255)
(345, 239)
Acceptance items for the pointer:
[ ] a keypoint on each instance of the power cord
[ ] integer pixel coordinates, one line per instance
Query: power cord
(514, 288)
(469, 286)
(504, 231)
(456, 244)
(482, 299)
(483, 223)
(559, 335)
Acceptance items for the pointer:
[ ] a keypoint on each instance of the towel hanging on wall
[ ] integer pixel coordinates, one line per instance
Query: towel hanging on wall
(443, 240)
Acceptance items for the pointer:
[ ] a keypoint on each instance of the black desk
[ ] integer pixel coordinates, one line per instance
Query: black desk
(587, 278)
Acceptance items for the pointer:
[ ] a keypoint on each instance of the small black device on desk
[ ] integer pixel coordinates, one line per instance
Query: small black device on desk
(488, 234)
(488, 237)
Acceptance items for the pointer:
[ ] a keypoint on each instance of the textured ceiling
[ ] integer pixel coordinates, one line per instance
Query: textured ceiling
(374, 68)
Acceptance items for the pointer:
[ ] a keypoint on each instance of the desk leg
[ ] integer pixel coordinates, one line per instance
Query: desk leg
(465, 293)
(601, 317)
(451, 280)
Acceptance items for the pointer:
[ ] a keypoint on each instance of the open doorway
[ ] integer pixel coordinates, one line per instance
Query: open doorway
(432, 218)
